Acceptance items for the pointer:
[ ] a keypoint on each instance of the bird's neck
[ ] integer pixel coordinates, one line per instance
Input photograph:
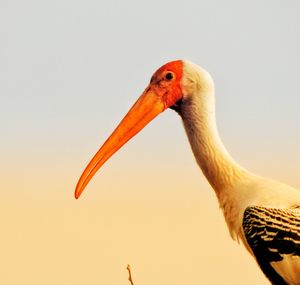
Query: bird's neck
(198, 114)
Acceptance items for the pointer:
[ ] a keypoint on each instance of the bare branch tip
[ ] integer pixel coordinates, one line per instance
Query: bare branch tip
(129, 272)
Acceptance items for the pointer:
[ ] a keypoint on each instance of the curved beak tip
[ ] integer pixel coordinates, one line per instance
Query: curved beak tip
(77, 193)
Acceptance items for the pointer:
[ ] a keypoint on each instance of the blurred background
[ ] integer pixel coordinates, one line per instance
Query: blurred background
(70, 70)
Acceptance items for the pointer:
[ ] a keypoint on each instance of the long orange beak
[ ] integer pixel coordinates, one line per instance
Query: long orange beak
(146, 108)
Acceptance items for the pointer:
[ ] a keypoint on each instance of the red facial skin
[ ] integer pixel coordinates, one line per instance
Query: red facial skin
(170, 90)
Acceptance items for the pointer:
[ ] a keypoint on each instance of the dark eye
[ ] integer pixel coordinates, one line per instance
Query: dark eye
(169, 76)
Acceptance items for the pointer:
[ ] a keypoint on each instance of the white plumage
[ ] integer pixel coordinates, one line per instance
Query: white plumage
(237, 189)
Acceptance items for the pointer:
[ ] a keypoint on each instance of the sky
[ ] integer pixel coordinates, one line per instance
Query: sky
(70, 70)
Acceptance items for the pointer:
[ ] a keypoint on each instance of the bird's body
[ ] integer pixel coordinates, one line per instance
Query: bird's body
(236, 188)
(262, 213)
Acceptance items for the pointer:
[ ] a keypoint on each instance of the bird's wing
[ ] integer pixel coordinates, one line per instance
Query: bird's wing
(274, 237)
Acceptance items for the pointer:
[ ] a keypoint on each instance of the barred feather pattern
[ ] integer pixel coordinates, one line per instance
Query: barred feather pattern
(273, 235)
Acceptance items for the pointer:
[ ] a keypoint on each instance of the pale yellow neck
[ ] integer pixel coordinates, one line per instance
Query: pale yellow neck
(198, 114)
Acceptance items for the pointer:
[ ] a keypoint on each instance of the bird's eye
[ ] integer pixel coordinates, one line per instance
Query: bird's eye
(169, 76)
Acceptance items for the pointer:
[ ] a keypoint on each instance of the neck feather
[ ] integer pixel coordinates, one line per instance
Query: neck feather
(198, 114)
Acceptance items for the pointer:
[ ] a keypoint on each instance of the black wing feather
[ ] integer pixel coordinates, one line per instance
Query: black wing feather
(272, 233)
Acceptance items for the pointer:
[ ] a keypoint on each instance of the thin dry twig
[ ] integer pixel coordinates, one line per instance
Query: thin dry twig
(129, 272)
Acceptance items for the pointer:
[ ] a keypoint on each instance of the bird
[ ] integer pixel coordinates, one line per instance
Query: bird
(262, 214)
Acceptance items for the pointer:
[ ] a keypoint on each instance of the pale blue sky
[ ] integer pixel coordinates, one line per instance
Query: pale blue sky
(66, 65)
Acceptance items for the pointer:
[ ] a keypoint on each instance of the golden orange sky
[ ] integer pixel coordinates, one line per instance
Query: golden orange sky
(170, 230)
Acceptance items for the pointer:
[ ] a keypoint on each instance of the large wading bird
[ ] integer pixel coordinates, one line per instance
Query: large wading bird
(262, 213)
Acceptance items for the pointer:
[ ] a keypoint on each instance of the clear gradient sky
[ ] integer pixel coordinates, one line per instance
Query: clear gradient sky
(69, 71)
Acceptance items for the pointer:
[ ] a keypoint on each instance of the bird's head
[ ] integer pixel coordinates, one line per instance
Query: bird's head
(169, 86)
